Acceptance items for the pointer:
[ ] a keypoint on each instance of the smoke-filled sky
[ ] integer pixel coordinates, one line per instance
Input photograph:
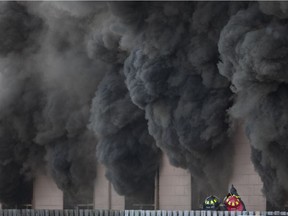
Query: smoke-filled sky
(124, 82)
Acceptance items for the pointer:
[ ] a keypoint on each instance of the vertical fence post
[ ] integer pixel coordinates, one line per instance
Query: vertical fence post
(5, 213)
(116, 213)
(220, 213)
(65, 213)
(142, 213)
(126, 212)
(270, 213)
(226, 213)
(137, 213)
(95, 212)
(257, 213)
(89, 212)
(120, 213)
(277, 213)
(42, 212)
(169, 213)
(263, 213)
(100, 212)
(158, 213)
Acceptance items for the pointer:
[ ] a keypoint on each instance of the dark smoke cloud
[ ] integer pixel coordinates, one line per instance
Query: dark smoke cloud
(253, 47)
(20, 157)
(278, 9)
(125, 147)
(133, 77)
(172, 74)
(69, 80)
(47, 85)
(18, 28)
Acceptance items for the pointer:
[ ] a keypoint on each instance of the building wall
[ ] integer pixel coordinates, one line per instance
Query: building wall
(105, 197)
(245, 178)
(174, 187)
(117, 201)
(46, 194)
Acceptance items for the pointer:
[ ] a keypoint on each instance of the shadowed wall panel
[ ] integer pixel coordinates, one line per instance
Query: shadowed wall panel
(46, 194)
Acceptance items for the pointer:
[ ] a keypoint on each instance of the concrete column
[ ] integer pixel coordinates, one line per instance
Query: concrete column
(105, 197)
(46, 194)
(245, 178)
(174, 187)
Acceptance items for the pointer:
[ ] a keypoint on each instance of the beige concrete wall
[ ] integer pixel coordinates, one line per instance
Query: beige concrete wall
(245, 178)
(174, 187)
(117, 201)
(46, 194)
(105, 196)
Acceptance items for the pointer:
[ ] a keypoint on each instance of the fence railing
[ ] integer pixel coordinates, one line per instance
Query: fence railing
(96, 212)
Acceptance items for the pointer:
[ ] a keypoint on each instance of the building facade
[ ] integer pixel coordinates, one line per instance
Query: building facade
(173, 189)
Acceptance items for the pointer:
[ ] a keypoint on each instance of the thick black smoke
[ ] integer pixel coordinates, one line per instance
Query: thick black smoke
(253, 47)
(20, 157)
(133, 77)
(47, 85)
(172, 74)
(125, 146)
(18, 27)
(69, 78)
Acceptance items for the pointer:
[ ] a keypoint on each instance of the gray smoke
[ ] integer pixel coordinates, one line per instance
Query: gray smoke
(125, 147)
(69, 78)
(47, 85)
(253, 47)
(121, 80)
(19, 96)
(172, 74)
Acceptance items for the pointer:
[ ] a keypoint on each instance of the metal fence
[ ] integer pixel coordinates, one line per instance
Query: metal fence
(96, 212)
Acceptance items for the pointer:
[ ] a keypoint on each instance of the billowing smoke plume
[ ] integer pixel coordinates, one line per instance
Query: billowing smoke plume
(47, 85)
(172, 74)
(120, 81)
(19, 100)
(253, 47)
(125, 147)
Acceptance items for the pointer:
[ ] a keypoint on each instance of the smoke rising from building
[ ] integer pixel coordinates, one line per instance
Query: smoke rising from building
(253, 48)
(120, 82)
(172, 74)
(124, 141)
